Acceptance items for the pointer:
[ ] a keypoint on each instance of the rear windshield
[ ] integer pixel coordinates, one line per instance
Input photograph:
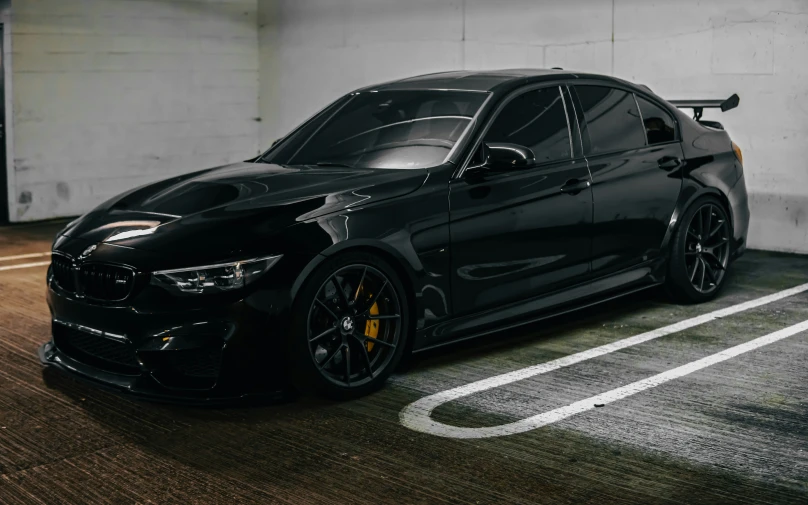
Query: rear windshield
(384, 129)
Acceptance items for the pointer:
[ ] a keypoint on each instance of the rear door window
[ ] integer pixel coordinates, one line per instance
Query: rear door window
(659, 125)
(612, 119)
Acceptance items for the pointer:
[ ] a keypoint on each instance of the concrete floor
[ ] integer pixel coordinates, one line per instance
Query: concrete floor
(734, 432)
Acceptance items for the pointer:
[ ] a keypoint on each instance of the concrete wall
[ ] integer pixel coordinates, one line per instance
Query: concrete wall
(315, 50)
(111, 94)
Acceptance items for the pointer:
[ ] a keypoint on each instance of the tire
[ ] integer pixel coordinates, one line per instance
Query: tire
(336, 347)
(699, 259)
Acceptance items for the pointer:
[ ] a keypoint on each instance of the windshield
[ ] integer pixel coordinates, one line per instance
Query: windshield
(384, 129)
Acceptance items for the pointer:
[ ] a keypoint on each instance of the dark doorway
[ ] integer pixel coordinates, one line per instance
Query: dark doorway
(3, 168)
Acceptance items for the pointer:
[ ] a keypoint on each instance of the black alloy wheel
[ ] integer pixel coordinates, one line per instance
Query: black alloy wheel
(700, 252)
(707, 248)
(355, 328)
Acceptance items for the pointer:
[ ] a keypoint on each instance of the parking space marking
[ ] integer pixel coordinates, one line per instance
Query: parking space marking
(25, 265)
(552, 416)
(416, 415)
(24, 256)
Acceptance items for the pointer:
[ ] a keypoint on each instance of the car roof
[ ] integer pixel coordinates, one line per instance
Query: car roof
(485, 80)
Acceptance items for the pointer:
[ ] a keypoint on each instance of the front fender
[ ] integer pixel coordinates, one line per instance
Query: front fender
(410, 232)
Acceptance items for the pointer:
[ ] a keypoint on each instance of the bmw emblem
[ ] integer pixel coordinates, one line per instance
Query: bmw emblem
(89, 251)
(347, 325)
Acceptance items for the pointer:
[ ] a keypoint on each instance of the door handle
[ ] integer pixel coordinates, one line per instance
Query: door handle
(669, 162)
(575, 186)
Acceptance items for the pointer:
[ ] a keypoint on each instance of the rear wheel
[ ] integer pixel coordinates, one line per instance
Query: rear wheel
(700, 252)
(349, 327)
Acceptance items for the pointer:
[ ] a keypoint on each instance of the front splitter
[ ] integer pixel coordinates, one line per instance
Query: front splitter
(133, 386)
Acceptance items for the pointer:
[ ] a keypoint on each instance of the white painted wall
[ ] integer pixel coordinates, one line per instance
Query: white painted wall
(315, 50)
(111, 94)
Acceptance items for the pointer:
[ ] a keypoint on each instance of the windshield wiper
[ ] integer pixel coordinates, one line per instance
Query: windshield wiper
(332, 164)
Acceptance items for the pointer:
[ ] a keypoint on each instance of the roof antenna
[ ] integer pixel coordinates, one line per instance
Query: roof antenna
(556, 68)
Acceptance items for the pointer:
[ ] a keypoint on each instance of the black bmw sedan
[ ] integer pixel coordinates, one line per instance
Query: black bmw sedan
(401, 217)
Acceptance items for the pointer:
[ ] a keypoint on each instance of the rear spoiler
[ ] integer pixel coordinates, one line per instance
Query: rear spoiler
(698, 106)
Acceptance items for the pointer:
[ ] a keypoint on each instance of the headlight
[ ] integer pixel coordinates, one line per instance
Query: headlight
(213, 278)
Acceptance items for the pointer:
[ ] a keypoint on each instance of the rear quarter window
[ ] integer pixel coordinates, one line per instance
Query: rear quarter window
(659, 124)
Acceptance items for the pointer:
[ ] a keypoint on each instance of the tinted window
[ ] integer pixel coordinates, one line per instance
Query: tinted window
(537, 120)
(385, 129)
(659, 125)
(612, 119)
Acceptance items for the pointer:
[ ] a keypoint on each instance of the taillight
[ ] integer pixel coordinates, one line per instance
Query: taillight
(737, 151)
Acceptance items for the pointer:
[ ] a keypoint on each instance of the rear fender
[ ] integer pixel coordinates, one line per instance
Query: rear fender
(691, 192)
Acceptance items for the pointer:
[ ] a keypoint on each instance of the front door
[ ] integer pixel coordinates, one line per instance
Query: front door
(521, 233)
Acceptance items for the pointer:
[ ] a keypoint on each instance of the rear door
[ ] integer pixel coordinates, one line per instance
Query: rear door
(517, 234)
(634, 156)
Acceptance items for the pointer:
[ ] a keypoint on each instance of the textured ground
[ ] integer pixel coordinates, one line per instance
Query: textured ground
(735, 432)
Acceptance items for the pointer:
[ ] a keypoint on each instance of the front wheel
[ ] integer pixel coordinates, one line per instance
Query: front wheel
(349, 327)
(700, 252)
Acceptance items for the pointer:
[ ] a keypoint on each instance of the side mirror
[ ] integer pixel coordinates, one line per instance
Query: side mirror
(505, 156)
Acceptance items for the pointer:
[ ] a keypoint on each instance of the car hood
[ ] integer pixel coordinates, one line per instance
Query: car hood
(222, 208)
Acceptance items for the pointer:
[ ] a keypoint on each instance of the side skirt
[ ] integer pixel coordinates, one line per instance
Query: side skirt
(595, 292)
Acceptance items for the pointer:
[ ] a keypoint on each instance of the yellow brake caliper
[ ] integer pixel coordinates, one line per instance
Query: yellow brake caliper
(372, 325)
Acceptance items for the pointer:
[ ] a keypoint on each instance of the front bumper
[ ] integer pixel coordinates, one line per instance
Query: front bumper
(217, 352)
(143, 387)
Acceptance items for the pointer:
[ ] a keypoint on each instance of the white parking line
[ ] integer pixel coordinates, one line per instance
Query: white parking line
(24, 256)
(545, 418)
(25, 265)
(416, 415)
